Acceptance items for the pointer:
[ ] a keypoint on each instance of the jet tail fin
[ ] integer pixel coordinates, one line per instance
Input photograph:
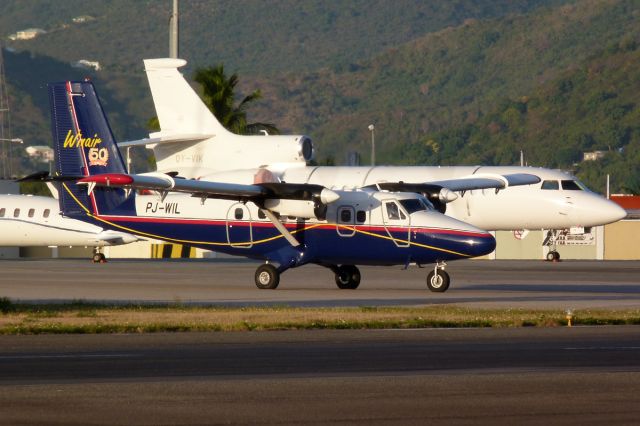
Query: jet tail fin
(180, 110)
(83, 146)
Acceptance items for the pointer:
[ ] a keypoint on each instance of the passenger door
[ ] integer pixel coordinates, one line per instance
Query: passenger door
(239, 226)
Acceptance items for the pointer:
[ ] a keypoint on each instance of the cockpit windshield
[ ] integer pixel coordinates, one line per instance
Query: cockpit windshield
(413, 205)
(573, 185)
(567, 185)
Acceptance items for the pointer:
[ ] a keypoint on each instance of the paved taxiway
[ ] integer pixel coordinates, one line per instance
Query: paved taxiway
(507, 284)
(580, 375)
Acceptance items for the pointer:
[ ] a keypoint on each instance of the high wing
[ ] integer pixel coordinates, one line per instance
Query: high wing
(206, 189)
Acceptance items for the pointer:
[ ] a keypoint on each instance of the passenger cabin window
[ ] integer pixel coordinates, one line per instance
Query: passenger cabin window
(32, 212)
(571, 185)
(239, 213)
(46, 213)
(2, 212)
(345, 216)
(361, 216)
(550, 184)
(16, 213)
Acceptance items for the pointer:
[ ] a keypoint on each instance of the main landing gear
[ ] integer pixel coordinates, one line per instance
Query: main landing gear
(267, 277)
(438, 279)
(348, 277)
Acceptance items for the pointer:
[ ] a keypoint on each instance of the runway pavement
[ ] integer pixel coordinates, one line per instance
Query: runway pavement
(579, 375)
(478, 283)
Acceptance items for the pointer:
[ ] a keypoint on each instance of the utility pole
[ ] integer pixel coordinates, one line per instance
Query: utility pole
(173, 31)
(373, 144)
(5, 123)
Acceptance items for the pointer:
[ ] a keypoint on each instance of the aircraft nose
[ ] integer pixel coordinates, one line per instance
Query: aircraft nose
(611, 212)
(480, 244)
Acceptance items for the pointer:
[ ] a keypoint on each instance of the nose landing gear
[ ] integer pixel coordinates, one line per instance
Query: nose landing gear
(438, 280)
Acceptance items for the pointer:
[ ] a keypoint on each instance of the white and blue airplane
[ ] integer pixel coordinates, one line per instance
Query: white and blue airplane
(35, 221)
(193, 144)
(285, 224)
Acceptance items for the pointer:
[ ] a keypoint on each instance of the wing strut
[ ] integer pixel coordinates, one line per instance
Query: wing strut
(280, 227)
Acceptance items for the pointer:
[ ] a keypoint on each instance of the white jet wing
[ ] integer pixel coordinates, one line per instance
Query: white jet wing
(487, 181)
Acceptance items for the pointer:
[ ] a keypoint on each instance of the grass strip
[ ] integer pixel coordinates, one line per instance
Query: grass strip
(82, 317)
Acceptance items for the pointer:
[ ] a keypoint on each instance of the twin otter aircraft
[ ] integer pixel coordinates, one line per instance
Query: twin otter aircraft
(287, 225)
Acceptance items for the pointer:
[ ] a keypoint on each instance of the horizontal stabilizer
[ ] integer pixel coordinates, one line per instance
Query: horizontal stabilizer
(166, 139)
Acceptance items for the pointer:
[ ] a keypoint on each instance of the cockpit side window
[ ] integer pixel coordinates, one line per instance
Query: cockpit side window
(571, 185)
(550, 184)
(393, 213)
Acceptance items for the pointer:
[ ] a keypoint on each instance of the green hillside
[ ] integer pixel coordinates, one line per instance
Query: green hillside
(480, 92)
(250, 36)
(451, 82)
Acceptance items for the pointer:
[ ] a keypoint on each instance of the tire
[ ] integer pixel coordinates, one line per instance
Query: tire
(267, 277)
(439, 283)
(553, 256)
(98, 258)
(348, 277)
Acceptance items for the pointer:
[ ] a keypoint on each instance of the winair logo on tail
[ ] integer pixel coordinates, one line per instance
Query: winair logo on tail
(97, 156)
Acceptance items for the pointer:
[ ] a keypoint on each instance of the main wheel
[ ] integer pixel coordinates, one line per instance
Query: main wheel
(267, 277)
(98, 258)
(438, 283)
(348, 277)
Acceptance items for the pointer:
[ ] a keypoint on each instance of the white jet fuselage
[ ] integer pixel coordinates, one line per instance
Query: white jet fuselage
(35, 221)
(546, 205)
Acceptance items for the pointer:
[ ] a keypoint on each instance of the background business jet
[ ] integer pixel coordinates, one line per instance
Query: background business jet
(193, 144)
(35, 221)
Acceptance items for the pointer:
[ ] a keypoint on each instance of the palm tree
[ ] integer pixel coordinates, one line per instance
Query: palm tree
(218, 95)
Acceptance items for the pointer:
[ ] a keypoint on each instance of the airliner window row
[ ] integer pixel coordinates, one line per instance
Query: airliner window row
(567, 185)
(30, 213)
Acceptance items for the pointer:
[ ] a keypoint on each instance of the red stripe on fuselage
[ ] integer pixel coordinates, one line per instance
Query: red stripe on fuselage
(292, 226)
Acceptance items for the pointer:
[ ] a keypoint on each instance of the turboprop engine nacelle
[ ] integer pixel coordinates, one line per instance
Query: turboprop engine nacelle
(297, 208)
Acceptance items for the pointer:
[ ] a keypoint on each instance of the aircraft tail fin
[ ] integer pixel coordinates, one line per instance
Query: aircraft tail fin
(83, 146)
(179, 108)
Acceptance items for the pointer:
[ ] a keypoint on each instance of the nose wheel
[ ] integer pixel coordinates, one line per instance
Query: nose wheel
(438, 280)
(98, 257)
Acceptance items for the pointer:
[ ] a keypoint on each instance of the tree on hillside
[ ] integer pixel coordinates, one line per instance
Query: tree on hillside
(218, 95)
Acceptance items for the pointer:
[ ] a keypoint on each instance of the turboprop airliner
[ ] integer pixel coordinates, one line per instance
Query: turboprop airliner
(287, 225)
(193, 144)
(35, 221)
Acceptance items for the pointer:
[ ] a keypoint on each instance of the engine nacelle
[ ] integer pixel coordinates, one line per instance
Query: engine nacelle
(298, 208)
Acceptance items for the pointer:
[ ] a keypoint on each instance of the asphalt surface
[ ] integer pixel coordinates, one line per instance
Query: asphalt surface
(579, 375)
(478, 283)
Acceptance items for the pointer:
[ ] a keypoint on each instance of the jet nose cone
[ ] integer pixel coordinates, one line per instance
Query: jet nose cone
(613, 212)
